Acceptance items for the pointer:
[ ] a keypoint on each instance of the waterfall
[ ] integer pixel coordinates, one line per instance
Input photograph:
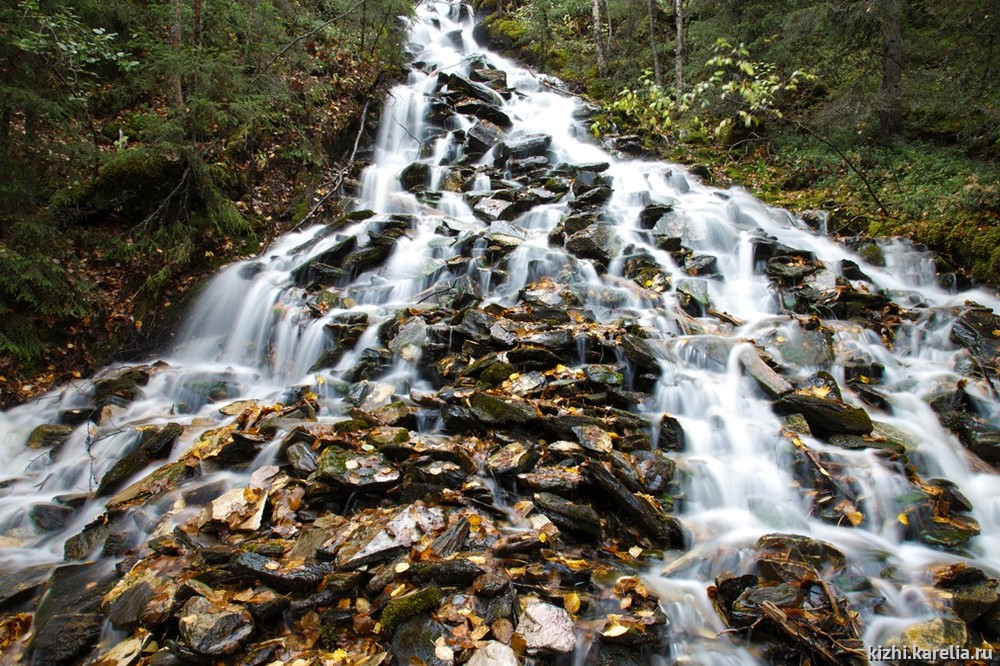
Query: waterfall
(697, 268)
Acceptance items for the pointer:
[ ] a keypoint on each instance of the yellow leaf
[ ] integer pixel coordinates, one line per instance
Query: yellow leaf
(615, 630)
(903, 519)
(571, 602)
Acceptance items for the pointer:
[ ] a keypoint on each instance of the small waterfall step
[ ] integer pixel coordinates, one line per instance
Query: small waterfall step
(532, 401)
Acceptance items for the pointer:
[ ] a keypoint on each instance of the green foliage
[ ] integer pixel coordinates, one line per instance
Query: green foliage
(151, 126)
(739, 94)
(34, 285)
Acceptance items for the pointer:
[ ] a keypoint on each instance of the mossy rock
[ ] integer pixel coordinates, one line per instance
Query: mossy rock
(496, 373)
(48, 435)
(407, 606)
(130, 183)
(496, 411)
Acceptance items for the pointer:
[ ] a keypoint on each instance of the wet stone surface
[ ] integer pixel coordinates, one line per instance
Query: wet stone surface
(529, 412)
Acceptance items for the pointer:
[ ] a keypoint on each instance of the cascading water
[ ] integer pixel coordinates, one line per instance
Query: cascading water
(704, 296)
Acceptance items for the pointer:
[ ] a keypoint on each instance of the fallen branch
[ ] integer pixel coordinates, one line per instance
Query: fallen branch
(849, 163)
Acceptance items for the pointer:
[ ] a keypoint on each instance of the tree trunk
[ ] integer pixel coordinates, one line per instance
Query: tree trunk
(197, 22)
(602, 64)
(175, 42)
(651, 9)
(679, 51)
(6, 118)
(891, 111)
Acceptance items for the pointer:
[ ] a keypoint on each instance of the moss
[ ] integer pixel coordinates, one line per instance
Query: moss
(496, 374)
(408, 605)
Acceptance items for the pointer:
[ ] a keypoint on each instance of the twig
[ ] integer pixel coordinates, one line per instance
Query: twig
(361, 130)
(306, 35)
(849, 164)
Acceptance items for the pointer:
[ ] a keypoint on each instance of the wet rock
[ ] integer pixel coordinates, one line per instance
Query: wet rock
(403, 608)
(521, 147)
(937, 514)
(940, 633)
(662, 530)
(640, 353)
(692, 295)
(153, 444)
(374, 362)
(77, 415)
(976, 330)
(369, 256)
(15, 585)
(822, 384)
(416, 176)
(970, 592)
(239, 509)
(826, 416)
(291, 577)
(481, 137)
(701, 264)
(484, 111)
(819, 555)
(121, 386)
(553, 479)
(465, 87)
(369, 472)
(493, 411)
(47, 516)
(652, 214)
(770, 381)
(408, 342)
(789, 270)
(591, 198)
(493, 653)
(143, 597)
(852, 271)
(978, 435)
(547, 629)
(49, 436)
(491, 209)
(594, 438)
(513, 458)
(369, 396)
(126, 653)
(417, 641)
(68, 621)
(570, 516)
(385, 534)
(642, 268)
(212, 629)
(81, 545)
(494, 78)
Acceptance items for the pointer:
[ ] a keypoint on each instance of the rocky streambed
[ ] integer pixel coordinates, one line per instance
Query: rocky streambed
(530, 402)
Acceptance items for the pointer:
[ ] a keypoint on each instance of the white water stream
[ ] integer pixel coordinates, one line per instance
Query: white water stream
(250, 331)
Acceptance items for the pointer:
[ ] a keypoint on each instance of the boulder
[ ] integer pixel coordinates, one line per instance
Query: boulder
(528, 145)
(49, 436)
(214, 629)
(547, 629)
(416, 176)
(597, 242)
(826, 416)
(68, 621)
